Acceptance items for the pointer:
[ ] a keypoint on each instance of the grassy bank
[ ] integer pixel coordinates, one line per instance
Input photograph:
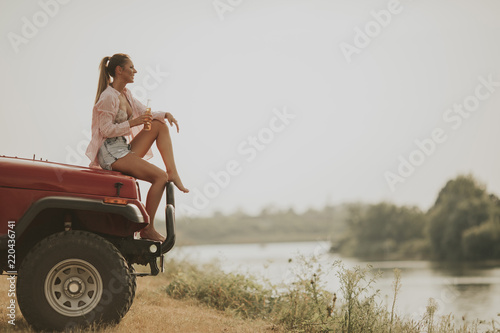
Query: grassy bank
(190, 298)
(303, 305)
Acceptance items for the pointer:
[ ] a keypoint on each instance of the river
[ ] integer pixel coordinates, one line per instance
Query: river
(470, 290)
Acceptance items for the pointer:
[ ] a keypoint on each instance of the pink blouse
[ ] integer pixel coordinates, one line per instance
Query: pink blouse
(104, 126)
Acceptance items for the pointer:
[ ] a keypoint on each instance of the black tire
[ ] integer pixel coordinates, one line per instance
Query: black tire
(74, 279)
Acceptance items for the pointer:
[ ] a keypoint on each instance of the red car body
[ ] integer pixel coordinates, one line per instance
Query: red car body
(67, 232)
(23, 182)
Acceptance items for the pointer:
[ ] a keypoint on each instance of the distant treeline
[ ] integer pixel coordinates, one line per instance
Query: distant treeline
(271, 225)
(463, 224)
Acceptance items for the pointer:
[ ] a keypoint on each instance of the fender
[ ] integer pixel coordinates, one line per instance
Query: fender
(130, 212)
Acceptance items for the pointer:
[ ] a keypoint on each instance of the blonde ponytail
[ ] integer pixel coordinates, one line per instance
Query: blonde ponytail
(103, 78)
(107, 70)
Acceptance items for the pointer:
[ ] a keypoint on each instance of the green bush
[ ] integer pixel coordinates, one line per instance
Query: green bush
(304, 304)
(482, 242)
(383, 231)
(223, 291)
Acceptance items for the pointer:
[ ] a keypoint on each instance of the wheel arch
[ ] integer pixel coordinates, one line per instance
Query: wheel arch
(47, 216)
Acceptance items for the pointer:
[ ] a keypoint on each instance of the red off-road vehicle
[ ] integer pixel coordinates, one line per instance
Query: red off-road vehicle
(67, 232)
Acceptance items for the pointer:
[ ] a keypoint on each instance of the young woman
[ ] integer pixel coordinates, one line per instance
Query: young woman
(117, 115)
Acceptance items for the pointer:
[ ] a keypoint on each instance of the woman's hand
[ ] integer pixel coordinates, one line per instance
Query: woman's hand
(142, 119)
(172, 120)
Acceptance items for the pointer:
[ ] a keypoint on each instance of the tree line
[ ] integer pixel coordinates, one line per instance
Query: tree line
(462, 224)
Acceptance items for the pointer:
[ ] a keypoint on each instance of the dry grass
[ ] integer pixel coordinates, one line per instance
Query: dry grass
(153, 311)
(305, 306)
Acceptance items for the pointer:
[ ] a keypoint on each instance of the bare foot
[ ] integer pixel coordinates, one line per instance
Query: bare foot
(150, 233)
(174, 177)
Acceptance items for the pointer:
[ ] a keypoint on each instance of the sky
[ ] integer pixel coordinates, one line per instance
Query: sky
(283, 103)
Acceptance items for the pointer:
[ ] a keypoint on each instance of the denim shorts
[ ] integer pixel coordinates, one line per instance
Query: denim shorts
(111, 150)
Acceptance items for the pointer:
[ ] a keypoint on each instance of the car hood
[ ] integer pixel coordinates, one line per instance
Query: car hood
(57, 177)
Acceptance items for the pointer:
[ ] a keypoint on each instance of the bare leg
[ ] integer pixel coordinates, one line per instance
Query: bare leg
(135, 166)
(159, 132)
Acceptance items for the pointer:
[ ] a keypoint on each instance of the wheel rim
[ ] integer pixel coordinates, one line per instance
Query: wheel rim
(73, 287)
